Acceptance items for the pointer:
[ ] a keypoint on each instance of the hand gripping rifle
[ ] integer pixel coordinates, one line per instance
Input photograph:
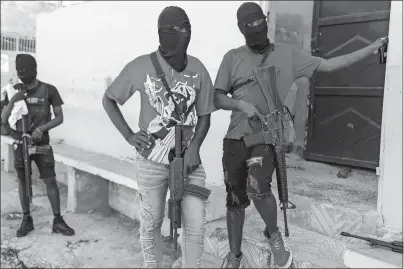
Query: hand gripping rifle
(29, 149)
(276, 133)
(395, 246)
(179, 186)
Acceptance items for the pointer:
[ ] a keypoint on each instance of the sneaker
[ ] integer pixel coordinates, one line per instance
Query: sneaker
(60, 226)
(232, 261)
(27, 226)
(281, 251)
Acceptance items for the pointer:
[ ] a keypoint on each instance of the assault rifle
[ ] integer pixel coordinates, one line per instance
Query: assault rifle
(179, 186)
(29, 149)
(395, 246)
(275, 133)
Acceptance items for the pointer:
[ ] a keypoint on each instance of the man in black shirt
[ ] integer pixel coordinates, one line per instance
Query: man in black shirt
(38, 96)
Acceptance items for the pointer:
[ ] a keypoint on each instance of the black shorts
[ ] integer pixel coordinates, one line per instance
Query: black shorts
(44, 162)
(247, 172)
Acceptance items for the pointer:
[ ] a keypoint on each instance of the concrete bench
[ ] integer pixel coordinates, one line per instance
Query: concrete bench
(82, 173)
(7, 150)
(95, 180)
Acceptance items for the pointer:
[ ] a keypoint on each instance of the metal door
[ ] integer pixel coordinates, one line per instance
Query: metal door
(345, 106)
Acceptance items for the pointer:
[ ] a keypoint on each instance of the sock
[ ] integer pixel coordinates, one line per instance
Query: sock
(57, 215)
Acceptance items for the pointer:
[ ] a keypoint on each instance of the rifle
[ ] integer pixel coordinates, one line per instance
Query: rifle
(180, 186)
(395, 246)
(275, 134)
(29, 149)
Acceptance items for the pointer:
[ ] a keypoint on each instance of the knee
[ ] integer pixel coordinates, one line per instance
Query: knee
(21, 182)
(50, 182)
(148, 223)
(261, 196)
(237, 200)
(238, 209)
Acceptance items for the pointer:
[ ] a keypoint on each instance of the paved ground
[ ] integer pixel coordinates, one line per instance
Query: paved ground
(103, 239)
(108, 239)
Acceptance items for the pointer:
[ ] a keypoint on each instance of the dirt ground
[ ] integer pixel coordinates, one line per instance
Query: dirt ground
(321, 182)
(103, 239)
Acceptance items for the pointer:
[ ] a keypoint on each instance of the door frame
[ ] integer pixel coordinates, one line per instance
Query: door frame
(316, 23)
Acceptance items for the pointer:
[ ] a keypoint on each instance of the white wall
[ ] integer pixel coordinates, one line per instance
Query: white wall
(391, 147)
(80, 46)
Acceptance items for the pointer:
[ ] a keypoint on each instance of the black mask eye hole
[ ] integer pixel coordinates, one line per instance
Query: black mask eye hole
(255, 23)
(181, 29)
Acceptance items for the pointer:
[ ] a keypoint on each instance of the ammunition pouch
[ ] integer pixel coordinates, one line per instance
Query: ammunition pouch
(34, 149)
(276, 132)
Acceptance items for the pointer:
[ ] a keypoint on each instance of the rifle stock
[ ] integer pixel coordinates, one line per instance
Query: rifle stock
(178, 187)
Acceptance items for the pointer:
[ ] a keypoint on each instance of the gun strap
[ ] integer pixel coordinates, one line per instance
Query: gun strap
(251, 79)
(162, 76)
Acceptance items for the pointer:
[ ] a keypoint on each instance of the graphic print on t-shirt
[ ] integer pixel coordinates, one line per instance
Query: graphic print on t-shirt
(161, 126)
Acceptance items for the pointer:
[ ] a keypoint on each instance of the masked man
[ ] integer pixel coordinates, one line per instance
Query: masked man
(189, 84)
(38, 96)
(248, 171)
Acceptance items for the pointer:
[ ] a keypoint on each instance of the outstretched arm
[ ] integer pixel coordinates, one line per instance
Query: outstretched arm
(351, 58)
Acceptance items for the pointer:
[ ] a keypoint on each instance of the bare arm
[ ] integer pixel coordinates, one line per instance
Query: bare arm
(5, 114)
(344, 60)
(222, 101)
(115, 115)
(201, 130)
(351, 58)
(56, 121)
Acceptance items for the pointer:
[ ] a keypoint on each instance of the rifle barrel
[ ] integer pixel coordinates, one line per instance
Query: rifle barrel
(286, 221)
(374, 241)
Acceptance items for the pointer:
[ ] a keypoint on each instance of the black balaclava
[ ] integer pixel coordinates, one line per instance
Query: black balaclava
(26, 68)
(174, 43)
(256, 36)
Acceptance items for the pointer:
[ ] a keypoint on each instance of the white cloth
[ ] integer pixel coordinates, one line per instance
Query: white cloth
(20, 108)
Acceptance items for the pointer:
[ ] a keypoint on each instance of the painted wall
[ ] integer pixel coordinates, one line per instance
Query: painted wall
(81, 48)
(391, 146)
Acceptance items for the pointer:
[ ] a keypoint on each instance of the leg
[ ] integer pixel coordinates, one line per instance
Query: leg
(27, 224)
(152, 179)
(235, 177)
(194, 223)
(261, 166)
(46, 167)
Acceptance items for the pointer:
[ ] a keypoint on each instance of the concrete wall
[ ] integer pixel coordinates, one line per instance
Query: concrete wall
(391, 146)
(81, 48)
(8, 70)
